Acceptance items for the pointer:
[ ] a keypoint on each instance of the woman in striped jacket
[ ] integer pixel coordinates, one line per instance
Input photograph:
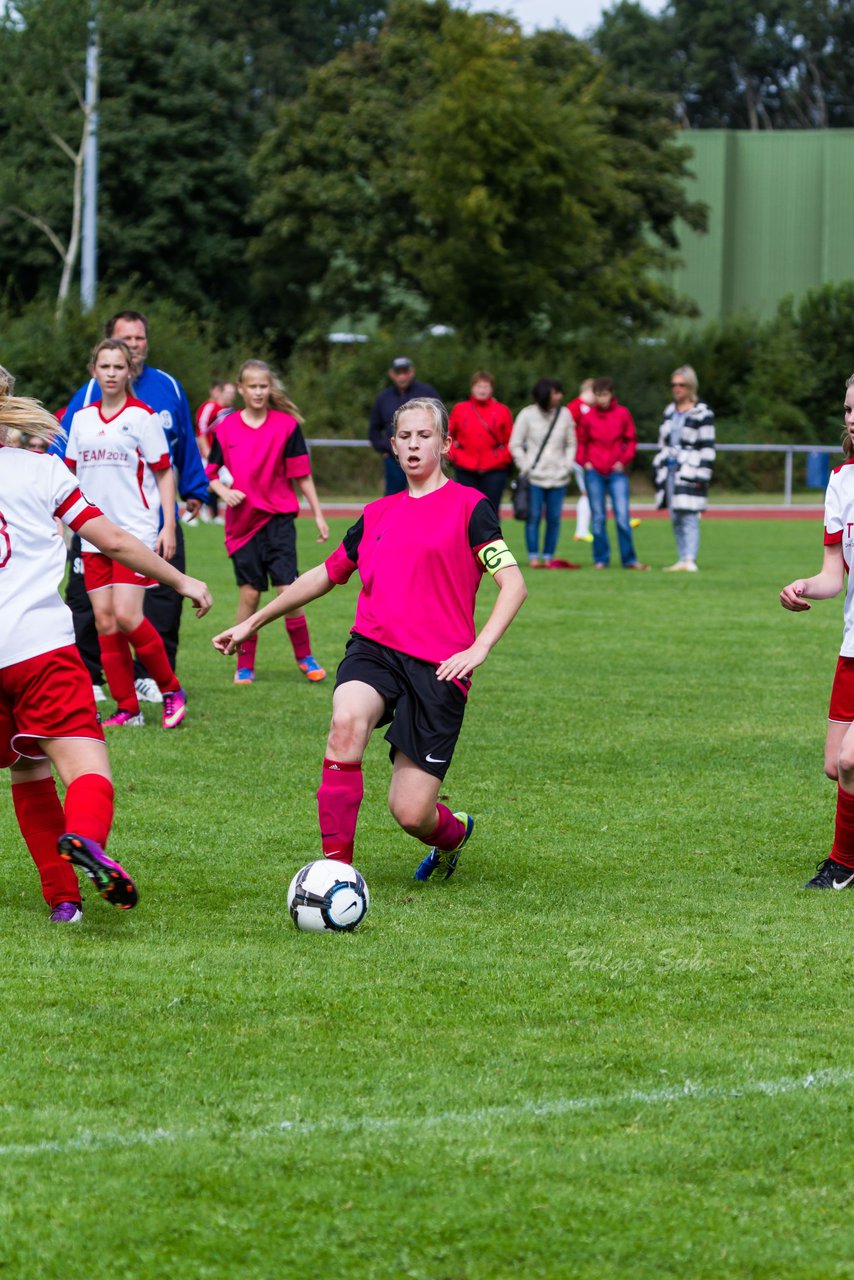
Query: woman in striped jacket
(683, 465)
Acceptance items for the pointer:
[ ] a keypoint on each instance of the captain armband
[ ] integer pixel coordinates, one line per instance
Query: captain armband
(496, 555)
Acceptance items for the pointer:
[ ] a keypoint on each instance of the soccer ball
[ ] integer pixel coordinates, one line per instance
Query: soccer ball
(328, 895)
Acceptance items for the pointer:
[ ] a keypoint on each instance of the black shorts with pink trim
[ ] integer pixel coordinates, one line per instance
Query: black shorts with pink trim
(842, 693)
(270, 555)
(424, 715)
(48, 696)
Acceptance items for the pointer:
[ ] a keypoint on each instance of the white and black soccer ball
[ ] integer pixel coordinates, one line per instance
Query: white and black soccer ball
(328, 895)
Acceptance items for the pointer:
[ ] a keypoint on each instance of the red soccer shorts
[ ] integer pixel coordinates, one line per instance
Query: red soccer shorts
(49, 696)
(100, 571)
(842, 693)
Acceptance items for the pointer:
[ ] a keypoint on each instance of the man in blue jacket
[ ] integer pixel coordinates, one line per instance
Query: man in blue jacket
(165, 395)
(403, 389)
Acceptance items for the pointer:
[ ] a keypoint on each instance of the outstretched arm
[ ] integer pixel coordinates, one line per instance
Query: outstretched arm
(823, 586)
(120, 545)
(511, 596)
(309, 587)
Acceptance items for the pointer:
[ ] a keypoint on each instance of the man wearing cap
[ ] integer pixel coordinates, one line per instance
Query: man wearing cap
(403, 389)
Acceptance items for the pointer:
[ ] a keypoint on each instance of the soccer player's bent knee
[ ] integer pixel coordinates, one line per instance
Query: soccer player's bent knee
(416, 819)
(347, 733)
(831, 770)
(845, 768)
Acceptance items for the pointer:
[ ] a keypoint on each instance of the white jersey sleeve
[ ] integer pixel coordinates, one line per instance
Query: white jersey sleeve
(834, 513)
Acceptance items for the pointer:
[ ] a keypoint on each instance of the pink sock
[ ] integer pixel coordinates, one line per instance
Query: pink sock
(449, 830)
(246, 654)
(341, 789)
(297, 629)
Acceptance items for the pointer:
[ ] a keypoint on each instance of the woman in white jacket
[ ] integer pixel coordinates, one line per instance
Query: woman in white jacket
(543, 448)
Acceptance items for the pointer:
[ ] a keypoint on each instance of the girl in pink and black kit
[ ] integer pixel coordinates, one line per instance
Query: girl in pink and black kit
(421, 556)
(261, 452)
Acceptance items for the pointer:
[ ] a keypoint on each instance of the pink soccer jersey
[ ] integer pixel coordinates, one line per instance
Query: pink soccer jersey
(839, 528)
(420, 561)
(262, 461)
(33, 489)
(114, 459)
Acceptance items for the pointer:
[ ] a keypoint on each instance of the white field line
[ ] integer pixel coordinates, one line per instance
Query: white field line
(480, 1116)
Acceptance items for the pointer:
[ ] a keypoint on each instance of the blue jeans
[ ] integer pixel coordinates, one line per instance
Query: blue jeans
(550, 500)
(599, 488)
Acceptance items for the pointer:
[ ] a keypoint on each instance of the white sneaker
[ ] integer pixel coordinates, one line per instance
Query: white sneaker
(147, 690)
(98, 693)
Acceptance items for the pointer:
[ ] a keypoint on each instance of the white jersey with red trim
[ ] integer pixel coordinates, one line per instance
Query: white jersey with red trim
(34, 488)
(115, 460)
(839, 528)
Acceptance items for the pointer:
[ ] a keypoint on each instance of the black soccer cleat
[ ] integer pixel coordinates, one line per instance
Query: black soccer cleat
(831, 874)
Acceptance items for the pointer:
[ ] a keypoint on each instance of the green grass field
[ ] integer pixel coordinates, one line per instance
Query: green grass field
(617, 1045)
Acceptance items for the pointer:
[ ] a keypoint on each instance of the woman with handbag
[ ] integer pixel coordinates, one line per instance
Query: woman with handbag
(480, 430)
(543, 447)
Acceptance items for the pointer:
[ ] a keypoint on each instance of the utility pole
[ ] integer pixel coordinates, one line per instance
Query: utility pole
(89, 248)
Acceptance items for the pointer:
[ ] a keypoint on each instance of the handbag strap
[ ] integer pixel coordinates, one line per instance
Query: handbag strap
(546, 439)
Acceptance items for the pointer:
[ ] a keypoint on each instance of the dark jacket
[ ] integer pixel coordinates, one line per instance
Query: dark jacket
(386, 405)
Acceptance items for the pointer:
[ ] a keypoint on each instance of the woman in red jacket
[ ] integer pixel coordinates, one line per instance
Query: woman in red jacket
(480, 437)
(607, 442)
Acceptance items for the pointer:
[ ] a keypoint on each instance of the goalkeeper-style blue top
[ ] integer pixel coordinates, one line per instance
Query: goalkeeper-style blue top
(165, 395)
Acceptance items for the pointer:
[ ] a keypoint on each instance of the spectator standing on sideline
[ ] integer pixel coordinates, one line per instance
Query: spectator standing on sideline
(403, 389)
(579, 408)
(683, 465)
(480, 429)
(219, 402)
(607, 443)
(165, 395)
(543, 448)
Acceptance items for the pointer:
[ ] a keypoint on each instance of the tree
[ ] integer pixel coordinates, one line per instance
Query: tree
(177, 131)
(457, 170)
(739, 64)
(281, 42)
(47, 128)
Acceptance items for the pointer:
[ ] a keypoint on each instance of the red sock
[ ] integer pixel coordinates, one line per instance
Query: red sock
(449, 830)
(341, 789)
(89, 807)
(149, 648)
(246, 653)
(843, 844)
(297, 629)
(42, 822)
(118, 668)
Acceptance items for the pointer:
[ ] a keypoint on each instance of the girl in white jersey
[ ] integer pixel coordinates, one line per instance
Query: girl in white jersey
(47, 714)
(837, 871)
(421, 556)
(118, 449)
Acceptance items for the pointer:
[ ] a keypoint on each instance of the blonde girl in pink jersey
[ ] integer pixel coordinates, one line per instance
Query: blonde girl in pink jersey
(122, 428)
(262, 452)
(421, 556)
(47, 713)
